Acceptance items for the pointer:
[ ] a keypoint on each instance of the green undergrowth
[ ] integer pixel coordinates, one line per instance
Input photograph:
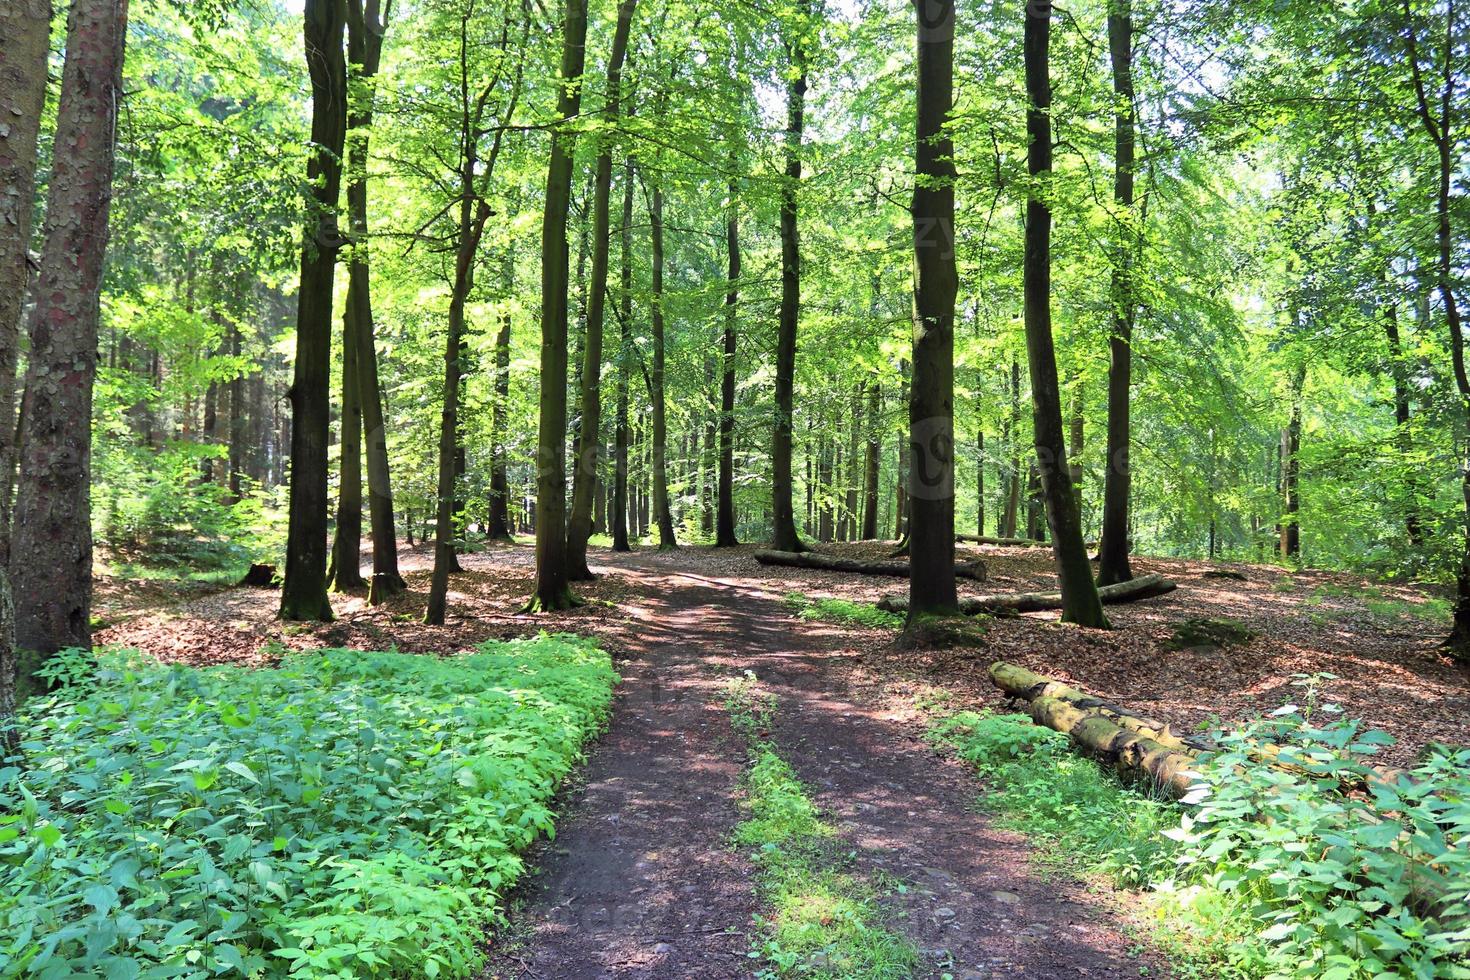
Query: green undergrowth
(822, 918)
(842, 611)
(1258, 873)
(347, 814)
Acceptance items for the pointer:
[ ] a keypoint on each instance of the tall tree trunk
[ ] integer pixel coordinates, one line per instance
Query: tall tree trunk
(620, 506)
(53, 519)
(474, 212)
(936, 282)
(783, 534)
(725, 505)
(304, 594)
(366, 26)
(26, 29)
(1439, 125)
(901, 485)
(238, 422)
(871, 463)
(1113, 547)
(553, 589)
(345, 571)
(499, 528)
(1080, 603)
(663, 514)
(1402, 415)
(584, 478)
(1291, 441)
(980, 481)
(826, 490)
(1012, 438)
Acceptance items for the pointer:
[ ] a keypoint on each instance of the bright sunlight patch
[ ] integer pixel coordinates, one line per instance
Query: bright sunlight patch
(347, 814)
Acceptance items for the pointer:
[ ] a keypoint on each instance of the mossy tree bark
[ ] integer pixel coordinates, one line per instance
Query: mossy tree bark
(53, 521)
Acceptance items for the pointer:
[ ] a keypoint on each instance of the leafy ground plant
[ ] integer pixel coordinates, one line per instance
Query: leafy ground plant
(823, 919)
(842, 611)
(1266, 873)
(348, 814)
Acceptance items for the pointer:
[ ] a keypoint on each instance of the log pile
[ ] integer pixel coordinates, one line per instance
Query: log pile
(1143, 587)
(974, 570)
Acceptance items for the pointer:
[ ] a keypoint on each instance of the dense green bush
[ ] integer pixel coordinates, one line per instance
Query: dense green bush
(348, 814)
(1260, 872)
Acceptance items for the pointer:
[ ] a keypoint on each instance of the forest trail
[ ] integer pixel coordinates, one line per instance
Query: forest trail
(642, 881)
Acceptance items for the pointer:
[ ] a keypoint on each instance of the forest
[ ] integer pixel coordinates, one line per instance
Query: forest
(782, 488)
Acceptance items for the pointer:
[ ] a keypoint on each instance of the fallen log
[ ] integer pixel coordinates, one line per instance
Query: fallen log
(1141, 747)
(1022, 684)
(1143, 587)
(1007, 542)
(828, 563)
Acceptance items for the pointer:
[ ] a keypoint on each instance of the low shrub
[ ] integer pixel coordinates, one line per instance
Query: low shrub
(1261, 872)
(348, 814)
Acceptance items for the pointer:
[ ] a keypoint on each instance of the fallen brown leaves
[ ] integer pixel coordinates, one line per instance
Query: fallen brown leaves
(1379, 641)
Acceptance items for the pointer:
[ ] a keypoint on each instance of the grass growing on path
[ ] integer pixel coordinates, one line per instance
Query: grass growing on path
(823, 918)
(843, 612)
(348, 814)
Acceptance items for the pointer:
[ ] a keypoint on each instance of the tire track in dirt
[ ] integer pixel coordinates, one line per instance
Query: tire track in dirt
(641, 881)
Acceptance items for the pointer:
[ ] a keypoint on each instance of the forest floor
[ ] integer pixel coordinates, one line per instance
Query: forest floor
(642, 880)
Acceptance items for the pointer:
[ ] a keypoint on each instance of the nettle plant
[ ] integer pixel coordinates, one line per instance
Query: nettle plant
(1350, 874)
(346, 815)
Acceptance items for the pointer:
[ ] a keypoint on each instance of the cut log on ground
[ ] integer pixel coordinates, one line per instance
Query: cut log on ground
(1144, 587)
(1141, 747)
(827, 563)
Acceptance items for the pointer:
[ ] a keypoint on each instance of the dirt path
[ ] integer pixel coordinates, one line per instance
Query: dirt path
(641, 881)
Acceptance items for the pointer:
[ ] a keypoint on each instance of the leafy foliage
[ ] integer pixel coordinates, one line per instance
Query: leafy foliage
(348, 814)
(1263, 872)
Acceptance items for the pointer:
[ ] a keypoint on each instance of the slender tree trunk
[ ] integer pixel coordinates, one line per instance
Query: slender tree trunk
(9, 671)
(783, 535)
(304, 595)
(725, 505)
(584, 478)
(238, 421)
(345, 571)
(663, 515)
(1080, 603)
(980, 482)
(553, 589)
(620, 506)
(901, 485)
(1439, 125)
(1013, 445)
(1402, 414)
(26, 30)
(499, 528)
(364, 51)
(53, 518)
(1113, 547)
(366, 26)
(871, 463)
(1291, 440)
(936, 282)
